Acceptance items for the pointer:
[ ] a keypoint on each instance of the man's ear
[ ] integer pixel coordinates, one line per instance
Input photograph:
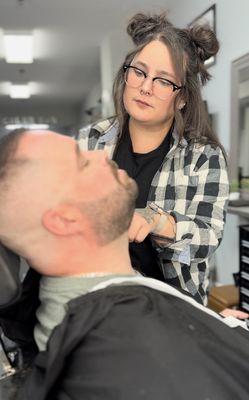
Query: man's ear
(63, 220)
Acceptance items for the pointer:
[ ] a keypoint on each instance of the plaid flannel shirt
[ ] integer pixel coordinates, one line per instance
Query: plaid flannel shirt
(192, 185)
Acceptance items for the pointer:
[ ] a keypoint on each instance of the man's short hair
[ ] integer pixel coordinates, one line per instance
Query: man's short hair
(9, 167)
(8, 147)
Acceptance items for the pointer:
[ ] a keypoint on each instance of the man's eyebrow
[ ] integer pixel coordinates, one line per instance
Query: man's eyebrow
(81, 160)
(162, 72)
(77, 150)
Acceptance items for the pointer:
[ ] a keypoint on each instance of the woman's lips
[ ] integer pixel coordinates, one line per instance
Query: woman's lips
(142, 103)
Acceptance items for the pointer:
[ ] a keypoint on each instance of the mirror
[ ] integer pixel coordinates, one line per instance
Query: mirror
(239, 155)
(243, 149)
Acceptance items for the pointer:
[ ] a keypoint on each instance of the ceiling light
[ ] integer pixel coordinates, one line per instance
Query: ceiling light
(11, 127)
(18, 48)
(19, 91)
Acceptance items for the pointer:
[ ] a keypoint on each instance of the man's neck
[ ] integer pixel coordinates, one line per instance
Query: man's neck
(79, 258)
(112, 261)
(147, 137)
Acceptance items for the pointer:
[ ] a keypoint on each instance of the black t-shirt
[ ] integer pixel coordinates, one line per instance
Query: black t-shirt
(142, 168)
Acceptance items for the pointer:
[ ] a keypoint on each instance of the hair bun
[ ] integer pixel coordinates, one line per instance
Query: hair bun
(143, 25)
(204, 40)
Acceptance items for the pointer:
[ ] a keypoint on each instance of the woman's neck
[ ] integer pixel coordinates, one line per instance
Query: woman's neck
(146, 138)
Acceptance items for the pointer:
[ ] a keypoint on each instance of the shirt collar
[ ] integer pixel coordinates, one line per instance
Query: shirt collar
(109, 130)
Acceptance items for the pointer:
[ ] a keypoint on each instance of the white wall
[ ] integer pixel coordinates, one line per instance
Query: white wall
(91, 102)
(227, 256)
(113, 50)
(232, 22)
(106, 76)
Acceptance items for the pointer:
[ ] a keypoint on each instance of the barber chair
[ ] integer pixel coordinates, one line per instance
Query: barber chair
(10, 291)
(10, 287)
(12, 367)
(18, 304)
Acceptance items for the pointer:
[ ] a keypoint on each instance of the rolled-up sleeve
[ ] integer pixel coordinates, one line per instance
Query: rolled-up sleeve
(199, 231)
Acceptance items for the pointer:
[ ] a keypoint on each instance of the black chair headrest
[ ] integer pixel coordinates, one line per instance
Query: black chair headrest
(10, 284)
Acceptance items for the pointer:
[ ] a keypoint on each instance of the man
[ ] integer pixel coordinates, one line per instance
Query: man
(122, 337)
(82, 201)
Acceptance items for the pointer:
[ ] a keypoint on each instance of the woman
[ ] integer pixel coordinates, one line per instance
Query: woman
(161, 136)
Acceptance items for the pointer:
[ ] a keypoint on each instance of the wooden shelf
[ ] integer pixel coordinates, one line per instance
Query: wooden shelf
(221, 297)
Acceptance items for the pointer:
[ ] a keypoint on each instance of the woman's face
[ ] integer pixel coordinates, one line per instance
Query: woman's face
(141, 103)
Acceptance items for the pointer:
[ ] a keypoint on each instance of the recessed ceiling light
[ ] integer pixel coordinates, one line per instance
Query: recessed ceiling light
(19, 91)
(18, 48)
(11, 127)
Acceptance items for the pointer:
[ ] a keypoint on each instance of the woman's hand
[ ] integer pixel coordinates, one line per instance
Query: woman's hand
(228, 312)
(141, 227)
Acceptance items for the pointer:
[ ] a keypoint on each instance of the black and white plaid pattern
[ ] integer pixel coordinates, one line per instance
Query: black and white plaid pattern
(192, 185)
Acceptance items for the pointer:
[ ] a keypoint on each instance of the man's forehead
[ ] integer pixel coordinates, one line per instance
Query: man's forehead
(38, 142)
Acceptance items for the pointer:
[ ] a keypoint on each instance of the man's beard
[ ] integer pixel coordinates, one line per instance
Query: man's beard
(111, 216)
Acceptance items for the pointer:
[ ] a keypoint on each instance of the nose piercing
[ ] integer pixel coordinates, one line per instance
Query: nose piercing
(144, 92)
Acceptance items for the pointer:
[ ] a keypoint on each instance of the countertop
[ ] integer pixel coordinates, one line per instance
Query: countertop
(241, 211)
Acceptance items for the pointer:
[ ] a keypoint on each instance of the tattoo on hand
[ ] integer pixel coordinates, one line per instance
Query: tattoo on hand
(147, 214)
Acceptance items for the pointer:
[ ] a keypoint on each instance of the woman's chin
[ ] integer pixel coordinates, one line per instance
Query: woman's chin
(142, 119)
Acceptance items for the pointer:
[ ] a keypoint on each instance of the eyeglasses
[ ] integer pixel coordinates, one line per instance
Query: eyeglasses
(162, 88)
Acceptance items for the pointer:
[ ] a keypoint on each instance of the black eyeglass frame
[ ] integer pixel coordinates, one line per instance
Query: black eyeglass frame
(174, 85)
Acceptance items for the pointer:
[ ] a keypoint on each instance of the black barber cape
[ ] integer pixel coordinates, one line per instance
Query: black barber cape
(134, 342)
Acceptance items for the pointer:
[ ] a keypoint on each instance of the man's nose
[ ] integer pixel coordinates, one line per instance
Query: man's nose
(98, 156)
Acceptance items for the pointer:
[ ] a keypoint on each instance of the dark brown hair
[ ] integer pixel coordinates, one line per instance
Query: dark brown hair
(189, 48)
(8, 147)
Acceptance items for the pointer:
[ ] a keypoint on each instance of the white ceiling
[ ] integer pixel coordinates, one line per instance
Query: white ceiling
(68, 35)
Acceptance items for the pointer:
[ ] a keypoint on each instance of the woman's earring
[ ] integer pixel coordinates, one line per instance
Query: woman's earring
(181, 106)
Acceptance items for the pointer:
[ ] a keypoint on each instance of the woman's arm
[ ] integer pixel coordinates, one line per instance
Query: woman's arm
(198, 232)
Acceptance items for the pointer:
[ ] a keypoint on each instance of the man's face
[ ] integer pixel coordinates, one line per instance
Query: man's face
(63, 173)
(90, 173)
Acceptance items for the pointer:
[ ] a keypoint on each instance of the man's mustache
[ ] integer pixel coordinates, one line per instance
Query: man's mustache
(114, 168)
